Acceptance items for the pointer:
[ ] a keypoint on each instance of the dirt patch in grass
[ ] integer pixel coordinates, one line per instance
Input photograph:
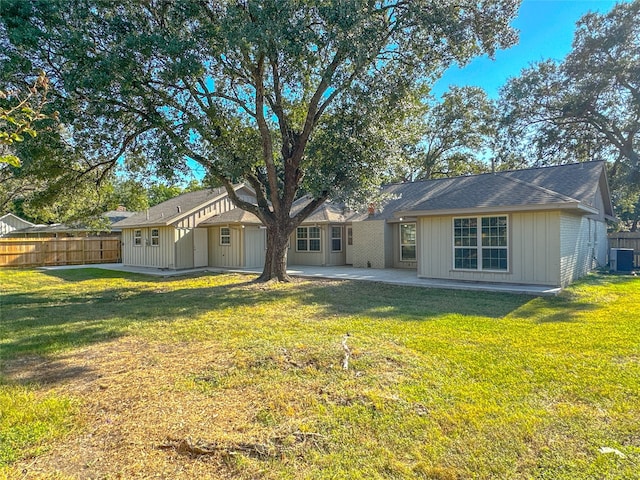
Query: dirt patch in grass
(137, 415)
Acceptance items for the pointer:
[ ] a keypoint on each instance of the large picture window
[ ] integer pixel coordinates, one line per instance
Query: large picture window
(480, 243)
(308, 239)
(408, 242)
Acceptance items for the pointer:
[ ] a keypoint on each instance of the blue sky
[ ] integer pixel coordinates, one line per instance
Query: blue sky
(546, 31)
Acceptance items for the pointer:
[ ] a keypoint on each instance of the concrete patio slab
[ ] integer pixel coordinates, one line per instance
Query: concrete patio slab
(389, 276)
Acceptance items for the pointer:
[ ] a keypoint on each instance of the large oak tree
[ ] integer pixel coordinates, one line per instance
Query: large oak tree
(282, 94)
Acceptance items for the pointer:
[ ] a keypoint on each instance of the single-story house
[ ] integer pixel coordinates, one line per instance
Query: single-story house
(169, 235)
(544, 226)
(10, 222)
(238, 238)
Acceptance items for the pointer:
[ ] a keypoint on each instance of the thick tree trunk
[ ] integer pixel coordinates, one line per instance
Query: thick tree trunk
(275, 265)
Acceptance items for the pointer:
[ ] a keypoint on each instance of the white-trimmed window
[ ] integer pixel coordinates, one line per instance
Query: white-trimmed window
(137, 238)
(308, 239)
(481, 243)
(336, 239)
(408, 242)
(155, 237)
(225, 236)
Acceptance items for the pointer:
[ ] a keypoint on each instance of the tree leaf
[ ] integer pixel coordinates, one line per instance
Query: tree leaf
(11, 160)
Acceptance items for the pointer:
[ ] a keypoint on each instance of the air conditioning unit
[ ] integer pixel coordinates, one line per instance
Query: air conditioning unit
(621, 260)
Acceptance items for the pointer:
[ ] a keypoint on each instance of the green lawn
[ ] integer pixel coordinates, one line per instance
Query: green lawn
(441, 384)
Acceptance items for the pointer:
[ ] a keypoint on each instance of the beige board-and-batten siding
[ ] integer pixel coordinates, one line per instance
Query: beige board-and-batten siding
(325, 257)
(147, 255)
(533, 250)
(583, 242)
(183, 245)
(226, 256)
(255, 246)
(176, 249)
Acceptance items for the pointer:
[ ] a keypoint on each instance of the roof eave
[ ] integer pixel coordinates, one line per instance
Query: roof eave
(497, 209)
(170, 221)
(142, 225)
(606, 194)
(186, 213)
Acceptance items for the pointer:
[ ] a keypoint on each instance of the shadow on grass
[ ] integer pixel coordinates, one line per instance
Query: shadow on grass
(35, 371)
(82, 274)
(571, 304)
(44, 322)
(563, 308)
(408, 303)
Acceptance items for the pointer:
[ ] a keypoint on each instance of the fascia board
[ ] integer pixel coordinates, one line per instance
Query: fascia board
(482, 210)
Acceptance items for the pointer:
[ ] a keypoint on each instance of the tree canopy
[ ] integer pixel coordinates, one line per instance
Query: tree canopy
(586, 106)
(447, 138)
(19, 112)
(283, 94)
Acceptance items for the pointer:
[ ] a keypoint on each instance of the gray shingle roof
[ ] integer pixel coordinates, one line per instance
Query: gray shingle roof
(168, 212)
(570, 186)
(328, 212)
(578, 180)
(563, 186)
(237, 215)
(116, 215)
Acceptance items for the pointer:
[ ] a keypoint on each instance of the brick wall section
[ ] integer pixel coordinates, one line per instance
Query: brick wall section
(369, 244)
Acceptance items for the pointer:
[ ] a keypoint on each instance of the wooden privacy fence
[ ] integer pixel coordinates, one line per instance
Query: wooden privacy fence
(36, 252)
(627, 240)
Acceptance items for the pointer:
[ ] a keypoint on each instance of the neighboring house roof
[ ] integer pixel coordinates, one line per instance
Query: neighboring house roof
(112, 216)
(174, 209)
(53, 228)
(571, 186)
(117, 215)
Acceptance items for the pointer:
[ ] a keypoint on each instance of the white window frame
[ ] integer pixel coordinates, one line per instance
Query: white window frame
(414, 244)
(225, 236)
(480, 247)
(155, 239)
(137, 238)
(334, 238)
(307, 239)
